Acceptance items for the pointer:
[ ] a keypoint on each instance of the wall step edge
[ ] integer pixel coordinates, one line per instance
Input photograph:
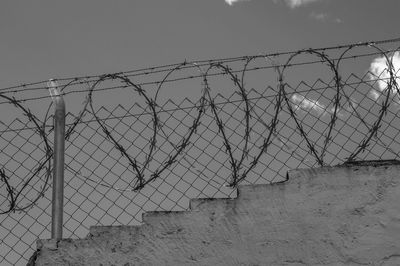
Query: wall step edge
(307, 218)
(208, 203)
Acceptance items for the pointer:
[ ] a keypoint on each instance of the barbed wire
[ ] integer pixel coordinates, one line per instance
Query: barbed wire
(198, 63)
(294, 91)
(242, 159)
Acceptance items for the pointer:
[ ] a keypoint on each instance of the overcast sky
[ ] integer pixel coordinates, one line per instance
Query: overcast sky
(48, 38)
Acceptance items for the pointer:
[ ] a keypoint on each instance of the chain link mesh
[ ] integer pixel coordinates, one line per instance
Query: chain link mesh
(126, 158)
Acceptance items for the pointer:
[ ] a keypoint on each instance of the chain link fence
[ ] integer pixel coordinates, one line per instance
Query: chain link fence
(244, 120)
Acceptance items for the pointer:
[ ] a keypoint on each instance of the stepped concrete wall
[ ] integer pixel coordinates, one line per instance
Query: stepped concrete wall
(345, 215)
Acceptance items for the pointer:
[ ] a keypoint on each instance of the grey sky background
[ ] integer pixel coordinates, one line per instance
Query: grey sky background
(58, 39)
(47, 39)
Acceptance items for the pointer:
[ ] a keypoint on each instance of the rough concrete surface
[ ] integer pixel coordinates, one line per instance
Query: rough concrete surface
(345, 215)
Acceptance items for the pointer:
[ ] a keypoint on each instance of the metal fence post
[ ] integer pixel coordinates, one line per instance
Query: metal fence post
(57, 209)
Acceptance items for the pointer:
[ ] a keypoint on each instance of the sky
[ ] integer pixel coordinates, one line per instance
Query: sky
(46, 39)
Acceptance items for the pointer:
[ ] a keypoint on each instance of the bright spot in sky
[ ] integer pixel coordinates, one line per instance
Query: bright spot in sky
(290, 3)
(231, 2)
(300, 102)
(379, 72)
(297, 3)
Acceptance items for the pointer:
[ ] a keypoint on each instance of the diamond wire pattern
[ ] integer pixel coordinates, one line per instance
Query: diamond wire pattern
(19, 230)
(99, 180)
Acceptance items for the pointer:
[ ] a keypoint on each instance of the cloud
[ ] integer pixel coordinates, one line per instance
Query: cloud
(379, 73)
(319, 16)
(324, 17)
(301, 102)
(297, 3)
(231, 2)
(290, 3)
(338, 20)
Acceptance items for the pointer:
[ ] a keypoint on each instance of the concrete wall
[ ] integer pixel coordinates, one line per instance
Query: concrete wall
(347, 215)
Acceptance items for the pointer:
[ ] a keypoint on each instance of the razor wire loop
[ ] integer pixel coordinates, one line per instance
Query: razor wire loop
(237, 165)
(14, 194)
(311, 146)
(271, 128)
(191, 131)
(373, 130)
(132, 161)
(140, 179)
